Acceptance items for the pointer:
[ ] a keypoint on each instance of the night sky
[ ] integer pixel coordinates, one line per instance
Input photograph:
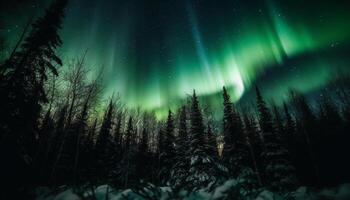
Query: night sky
(155, 52)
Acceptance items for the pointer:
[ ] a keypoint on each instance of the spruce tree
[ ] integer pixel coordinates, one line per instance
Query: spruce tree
(279, 173)
(253, 175)
(124, 172)
(143, 158)
(308, 137)
(41, 159)
(203, 170)
(160, 148)
(289, 127)
(87, 166)
(289, 135)
(167, 155)
(56, 142)
(235, 151)
(330, 134)
(118, 133)
(265, 117)
(228, 128)
(277, 120)
(212, 148)
(104, 147)
(179, 171)
(22, 85)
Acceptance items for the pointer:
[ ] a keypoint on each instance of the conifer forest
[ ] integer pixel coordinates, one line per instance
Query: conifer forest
(174, 99)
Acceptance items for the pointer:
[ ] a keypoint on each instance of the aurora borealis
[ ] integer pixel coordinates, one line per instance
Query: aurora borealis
(155, 53)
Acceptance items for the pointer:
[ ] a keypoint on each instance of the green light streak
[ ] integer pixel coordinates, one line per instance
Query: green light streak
(156, 67)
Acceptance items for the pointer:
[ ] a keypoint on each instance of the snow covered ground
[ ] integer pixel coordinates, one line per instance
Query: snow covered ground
(222, 192)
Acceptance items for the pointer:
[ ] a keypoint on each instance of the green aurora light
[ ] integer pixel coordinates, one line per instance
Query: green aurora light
(155, 53)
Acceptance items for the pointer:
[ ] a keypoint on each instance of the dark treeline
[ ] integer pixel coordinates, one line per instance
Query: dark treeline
(52, 133)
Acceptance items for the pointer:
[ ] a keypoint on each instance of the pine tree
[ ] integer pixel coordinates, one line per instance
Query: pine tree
(279, 173)
(289, 126)
(22, 86)
(228, 128)
(179, 171)
(234, 152)
(104, 147)
(212, 148)
(289, 135)
(330, 135)
(87, 166)
(265, 117)
(331, 114)
(56, 142)
(41, 159)
(124, 172)
(143, 158)
(160, 149)
(277, 120)
(203, 171)
(167, 155)
(117, 132)
(255, 147)
(307, 136)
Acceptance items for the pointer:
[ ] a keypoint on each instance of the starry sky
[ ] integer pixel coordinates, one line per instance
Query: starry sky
(155, 52)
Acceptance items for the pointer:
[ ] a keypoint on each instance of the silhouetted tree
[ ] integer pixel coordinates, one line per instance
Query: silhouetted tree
(235, 152)
(279, 173)
(87, 165)
(307, 138)
(277, 120)
(104, 147)
(212, 148)
(228, 129)
(203, 168)
(289, 136)
(143, 158)
(41, 158)
(179, 171)
(22, 87)
(167, 153)
(124, 171)
(255, 148)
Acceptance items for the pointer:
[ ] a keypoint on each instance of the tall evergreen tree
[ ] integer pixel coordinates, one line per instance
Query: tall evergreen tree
(124, 172)
(330, 135)
(41, 158)
(308, 137)
(167, 155)
(179, 171)
(212, 148)
(118, 132)
(277, 120)
(22, 92)
(203, 171)
(234, 151)
(289, 127)
(289, 135)
(87, 160)
(228, 128)
(143, 158)
(265, 117)
(254, 143)
(57, 142)
(159, 149)
(279, 173)
(104, 147)
(22, 86)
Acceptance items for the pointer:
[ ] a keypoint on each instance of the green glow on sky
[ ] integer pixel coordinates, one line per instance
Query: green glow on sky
(156, 60)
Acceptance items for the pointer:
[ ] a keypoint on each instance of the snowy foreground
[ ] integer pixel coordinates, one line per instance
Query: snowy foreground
(226, 191)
